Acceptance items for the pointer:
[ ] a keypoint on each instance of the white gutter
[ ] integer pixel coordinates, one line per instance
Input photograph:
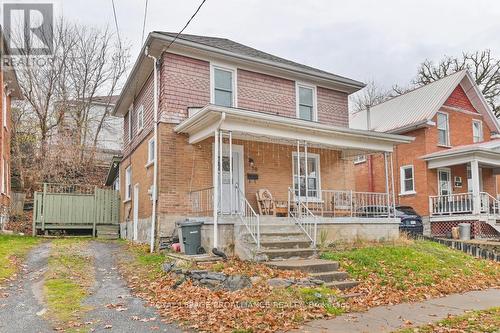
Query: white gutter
(155, 165)
(215, 176)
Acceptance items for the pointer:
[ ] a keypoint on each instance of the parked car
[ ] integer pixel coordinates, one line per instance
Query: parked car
(411, 222)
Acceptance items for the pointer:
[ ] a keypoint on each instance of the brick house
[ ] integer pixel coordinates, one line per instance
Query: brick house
(9, 90)
(219, 99)
(448, 174)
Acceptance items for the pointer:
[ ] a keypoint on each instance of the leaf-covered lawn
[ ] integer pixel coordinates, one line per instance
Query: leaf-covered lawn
(257, 309)
(473, 322)
(12, 250)
(413, 270)
(69, 276)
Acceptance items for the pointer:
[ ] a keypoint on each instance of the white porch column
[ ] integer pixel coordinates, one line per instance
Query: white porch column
(216, 186)
(307, 173)
(387, 184)
(231, 194)
(476, 198)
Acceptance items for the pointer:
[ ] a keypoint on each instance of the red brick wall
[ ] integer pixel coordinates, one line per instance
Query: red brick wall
(459, 99)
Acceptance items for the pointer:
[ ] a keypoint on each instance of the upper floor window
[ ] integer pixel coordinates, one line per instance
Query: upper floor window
(140, 118)
(477, 131)
(128, 183)
(130, 123)
(223, 86)
(443, 129)
(306, 102)
(407, 179)
(151, 151)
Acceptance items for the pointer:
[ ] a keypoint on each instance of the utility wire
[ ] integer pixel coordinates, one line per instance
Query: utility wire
(144, 21)
(116, 23)
(189, 21)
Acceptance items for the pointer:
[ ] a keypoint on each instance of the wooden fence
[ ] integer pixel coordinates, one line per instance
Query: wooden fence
(64, 210)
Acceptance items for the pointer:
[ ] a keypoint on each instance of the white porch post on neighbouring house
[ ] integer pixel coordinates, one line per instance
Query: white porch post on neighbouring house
(216, 185)
(476, 198)
(387, 185)
(306, 173)
(298, 173)
(231, 191)
(393, 189)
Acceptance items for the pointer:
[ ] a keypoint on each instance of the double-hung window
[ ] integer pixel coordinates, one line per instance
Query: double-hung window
(128, 183)
(306, 102)
(407, 179)
(299, 175)
(140, 118)
(151, 151)
(477, 131)
(443, 129)
(223, 87)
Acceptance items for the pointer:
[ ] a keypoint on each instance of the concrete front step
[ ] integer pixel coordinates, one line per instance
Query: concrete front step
(308, 266)
(285, 244)
(342, 285)
(331, 276)
(280, 254)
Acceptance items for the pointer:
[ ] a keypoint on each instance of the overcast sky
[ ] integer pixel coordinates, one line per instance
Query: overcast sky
(380, 40)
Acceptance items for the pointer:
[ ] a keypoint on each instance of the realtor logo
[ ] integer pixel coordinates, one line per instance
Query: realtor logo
(29, 28)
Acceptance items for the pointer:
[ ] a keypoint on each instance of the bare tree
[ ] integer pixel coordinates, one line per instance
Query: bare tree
(59, 96)
(483, 66)
(369, 96)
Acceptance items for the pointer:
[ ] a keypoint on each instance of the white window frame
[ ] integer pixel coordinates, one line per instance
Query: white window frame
(299, 85)
(151, 152)
(318, 177)
(450, 180)
(358, 159)
(130, 109)
(402, 187)
(481, 132)
(140, 118)
(128, 183)
(447, 144)
(234, 73)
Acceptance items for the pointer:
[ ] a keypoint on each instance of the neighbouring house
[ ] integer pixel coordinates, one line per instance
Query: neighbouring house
(275, 131)
(101, 132)
(448, 174)
(9, 90)
(113, 176)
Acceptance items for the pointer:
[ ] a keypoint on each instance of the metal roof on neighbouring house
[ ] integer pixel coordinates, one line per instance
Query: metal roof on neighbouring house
(417, 107)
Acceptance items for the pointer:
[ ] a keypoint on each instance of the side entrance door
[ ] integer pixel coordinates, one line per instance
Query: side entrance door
(238, 181)
(136, 211)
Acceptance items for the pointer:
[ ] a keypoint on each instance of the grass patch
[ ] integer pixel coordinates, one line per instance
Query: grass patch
(69, 277)
(413, 270)
(12, 250)
(476, 321)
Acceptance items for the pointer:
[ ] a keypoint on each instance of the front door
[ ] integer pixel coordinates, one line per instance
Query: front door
(135, 202)
(444, 181)
(238, 183)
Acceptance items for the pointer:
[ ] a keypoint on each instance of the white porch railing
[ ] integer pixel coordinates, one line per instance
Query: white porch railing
(299, 211)
(463, 203)
(202, 201)
(248, 216)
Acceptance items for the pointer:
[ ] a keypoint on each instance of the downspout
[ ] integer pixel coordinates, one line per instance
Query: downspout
(155, 165)
(217, 144)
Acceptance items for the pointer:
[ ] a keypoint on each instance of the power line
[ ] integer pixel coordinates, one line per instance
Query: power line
(116, 23)
(144, 21)
(189, 21)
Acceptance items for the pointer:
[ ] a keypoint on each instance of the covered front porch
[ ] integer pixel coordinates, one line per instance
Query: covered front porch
(466, 188)
(282, 168)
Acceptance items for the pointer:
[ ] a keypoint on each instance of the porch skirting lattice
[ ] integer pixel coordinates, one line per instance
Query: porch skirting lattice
(479, 229)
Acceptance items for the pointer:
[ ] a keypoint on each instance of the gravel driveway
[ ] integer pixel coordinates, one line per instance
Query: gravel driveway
(114, 309)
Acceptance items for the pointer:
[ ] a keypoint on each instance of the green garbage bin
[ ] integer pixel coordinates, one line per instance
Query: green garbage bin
(191, 236)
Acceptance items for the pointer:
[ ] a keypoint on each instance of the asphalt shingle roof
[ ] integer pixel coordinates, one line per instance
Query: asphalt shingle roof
(237, 48)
